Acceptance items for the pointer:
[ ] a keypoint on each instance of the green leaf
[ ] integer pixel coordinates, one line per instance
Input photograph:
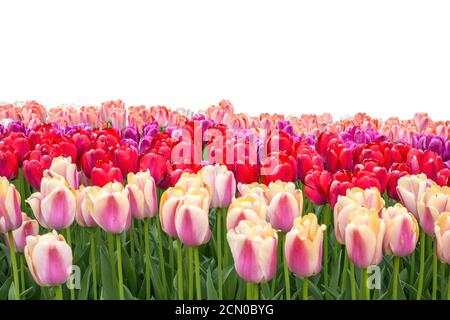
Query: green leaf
(85, 285)
(107, 277)
(129, 272)
(4, 289)
(211, 292)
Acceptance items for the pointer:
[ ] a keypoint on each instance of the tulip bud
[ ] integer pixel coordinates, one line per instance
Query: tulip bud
(255, 188)
(254, 249)
(250, 207)
(54, 207)
(111, 208)
(410, 190)
(142, 195)
(221, 183)
(286, 204)
(364, 237)
(192, 218)
(10, 213)
(402, 231)
(190, 180)
(65, 168)
(29, 227)
(434, 201)
(49, 259)
(442, 232)
(303, 246)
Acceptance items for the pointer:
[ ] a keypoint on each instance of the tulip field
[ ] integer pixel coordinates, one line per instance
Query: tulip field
(136, 202)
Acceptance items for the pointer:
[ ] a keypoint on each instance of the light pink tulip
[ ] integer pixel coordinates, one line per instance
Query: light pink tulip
(249, 207)
(29, 227)
(255, 188)
(54, 207)
(65, 168)
(410, 190)
(402, 231)
(10, 213)
(303, 246)
(364, 237)
(168, 207)
(221, 183)
(142, 195)
(434, 201)
(85, 206)
(192, 218)
(254, 249)
(49, 258)
(442, 231)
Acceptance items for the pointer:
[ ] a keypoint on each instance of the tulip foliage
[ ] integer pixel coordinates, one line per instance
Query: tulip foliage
(115, 202)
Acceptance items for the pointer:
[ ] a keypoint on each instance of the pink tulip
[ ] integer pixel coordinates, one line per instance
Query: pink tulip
(111, 207)
(29, 227)
(192, 218)
(364, 237)
(259, 188)
(286, 204)
(142, 195)
(168, 208)
(221, 183)
(10, 213)
(303, 246)
(249, 207)
(254, 249)
(65, 168)
(442, 231)
(49, 258)
(54, 207)
(434, 201)
(410, 190)
(402, 231)
(85, 205)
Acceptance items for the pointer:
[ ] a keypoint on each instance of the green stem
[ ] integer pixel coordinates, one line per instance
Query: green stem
(365, 294)
(448, 288)
(395, 278)
(110, 237)
(256, 291)
(287, 283)
(422, 264)
(93, 262)
(197, 274)
(69, 242)
(119, 266)
(22, 272)
(147, 259)
(162, 265)
(326, 218)
(434, 288)
(132, 245)
(180, 270)
(413, 266)
(190, 273)
(171, 257)
(58, 293)
(305, 288)
(442, 270)
(226, 248)
(344, 271)
(249, 291)
(219, 250)
(12, 251)
(352, 280)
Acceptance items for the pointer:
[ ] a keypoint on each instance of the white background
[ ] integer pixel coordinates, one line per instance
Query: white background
(382, 57)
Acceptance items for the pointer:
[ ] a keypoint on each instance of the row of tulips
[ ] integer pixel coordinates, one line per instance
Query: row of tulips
(145, 210)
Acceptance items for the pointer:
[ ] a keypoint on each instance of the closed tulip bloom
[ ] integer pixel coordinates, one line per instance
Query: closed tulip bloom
(410, 190)
(303, 246)
(221, 183)
(111, 208)
(49, 259)
(434, 201)
(402, 231)
(192, 218)
(29, 227)
(254, 249)
(64, 167)
(190, 180)
(54, 207)
(255, 188)
(168, 208)
(142, 194)
(442, 232)
(249, 207)
(364, 237)
(85, 206)
(286, 204)
(10, 212)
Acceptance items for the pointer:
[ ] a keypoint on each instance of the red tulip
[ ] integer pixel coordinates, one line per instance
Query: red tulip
(323, 141)
(19, 143)
(278, 167)
(342, 181)
(125, 157)
(246, 172)
(9, 163)
(34, 165)
(426, 162)
(157, 166)
(90, 158)
(443, 177)
(317, 186)
(105, 172)
(307, 159)
(392, 180)
(82, 142)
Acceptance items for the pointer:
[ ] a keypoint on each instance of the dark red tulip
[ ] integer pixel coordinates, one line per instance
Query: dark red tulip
(105, 172)
(90, 158)
(157, 166)
(317, 186)
(323, 141)
(246, 172)
(392, 182)
(443, 177)
(19, 143)
(125, 157)
(34, 165)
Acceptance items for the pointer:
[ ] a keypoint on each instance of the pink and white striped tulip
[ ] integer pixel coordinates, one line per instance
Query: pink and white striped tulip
(434, 201)
(259, 188)
(410, 190)
(364, 237)
(142, 195)
(249, 207)
(65, 168)
(55, 206)
(254, 249)
(29, 227)
(49, 258)
(10, 212)
(85, 206)
(221, 183)
(111, 207)
(286, 204)
(442, 232)
(168, 208)
(192, 218)
(303, 246)
(402, 231)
